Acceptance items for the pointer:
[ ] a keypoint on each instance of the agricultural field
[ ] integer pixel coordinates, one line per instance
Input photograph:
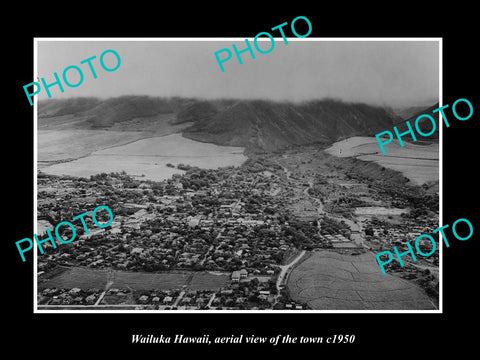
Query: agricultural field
(63, 138)
(144, 158)
(208, 281)
(79, 277)
(419, 163)
(84, 278)
(64, 145)
(332, 281)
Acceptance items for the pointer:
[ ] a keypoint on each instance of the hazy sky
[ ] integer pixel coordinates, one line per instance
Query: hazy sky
(393, 73)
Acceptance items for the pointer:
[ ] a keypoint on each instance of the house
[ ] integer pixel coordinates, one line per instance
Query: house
(178, 186)
(90, 299)
(236, 276)
(200, 301)
(264, 294)
(74, 291)
(216, 301)
(167, 300)
(193, 221)
(186, 300)
(243, 273)
(136, 250)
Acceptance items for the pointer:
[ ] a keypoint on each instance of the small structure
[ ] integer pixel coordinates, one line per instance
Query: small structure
(137, 250)
(186, 300)
(236, 276)
(90, 299)
(74, 291)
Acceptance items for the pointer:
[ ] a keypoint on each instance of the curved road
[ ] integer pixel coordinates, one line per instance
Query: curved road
(356, 229)
(285, 270)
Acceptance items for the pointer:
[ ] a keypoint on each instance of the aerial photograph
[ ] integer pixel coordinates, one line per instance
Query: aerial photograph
(260, 188)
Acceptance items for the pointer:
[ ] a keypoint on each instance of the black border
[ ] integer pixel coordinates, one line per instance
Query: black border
(376, 334)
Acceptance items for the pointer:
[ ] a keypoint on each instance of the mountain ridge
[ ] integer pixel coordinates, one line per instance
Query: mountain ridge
(257, 124)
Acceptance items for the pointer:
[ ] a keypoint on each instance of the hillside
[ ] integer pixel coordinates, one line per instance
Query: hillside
(259, 125)
(269, 126)
(55, 107)
(424, 124)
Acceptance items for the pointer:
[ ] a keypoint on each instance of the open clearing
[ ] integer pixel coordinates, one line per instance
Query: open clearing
(84, 278)
(419, 163)
(147, 158)
(379, 211)
(331, 281)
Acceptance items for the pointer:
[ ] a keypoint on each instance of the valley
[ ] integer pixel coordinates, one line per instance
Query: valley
(221, 187)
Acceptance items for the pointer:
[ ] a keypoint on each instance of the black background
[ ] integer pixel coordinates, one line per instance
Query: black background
(376, 334)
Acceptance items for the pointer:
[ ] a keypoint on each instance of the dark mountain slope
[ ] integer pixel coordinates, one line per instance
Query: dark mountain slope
(424, 124)
(339, 119)
(55, 107)
(195, 111)
(256, 124)
(269, 126)
(93, 113)
(124, 108)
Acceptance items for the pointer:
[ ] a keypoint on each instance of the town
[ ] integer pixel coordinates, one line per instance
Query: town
(212, 239)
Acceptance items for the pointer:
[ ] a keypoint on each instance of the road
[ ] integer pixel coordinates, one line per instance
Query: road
(210, 301)
(285, 270)
(356, 229)
(319, 204)
(110, 280)
(180, 296)
(212, 247)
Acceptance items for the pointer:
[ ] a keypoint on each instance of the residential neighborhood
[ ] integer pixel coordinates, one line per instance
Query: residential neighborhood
(240, 222)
